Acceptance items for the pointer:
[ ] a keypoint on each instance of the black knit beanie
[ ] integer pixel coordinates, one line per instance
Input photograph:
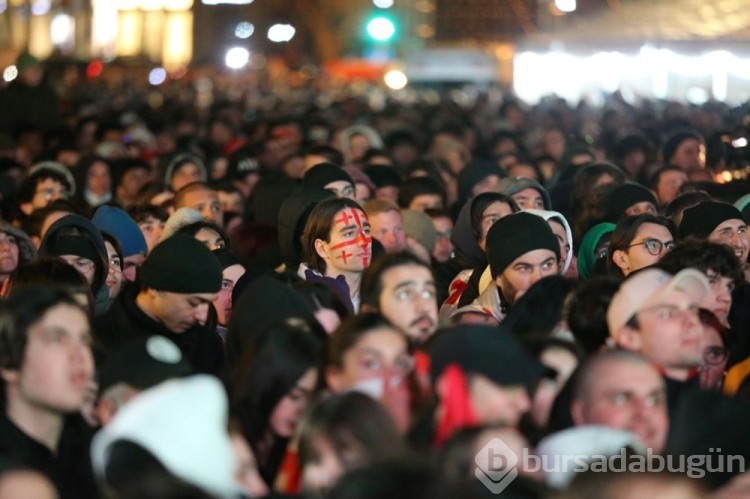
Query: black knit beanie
(625, 196)
(323, 174)
(675, 137)
(181, 264)
(516, 235)
(700, 220)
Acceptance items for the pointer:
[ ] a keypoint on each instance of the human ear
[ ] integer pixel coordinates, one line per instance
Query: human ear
(621, 259)
(321, 248)
(629, 339)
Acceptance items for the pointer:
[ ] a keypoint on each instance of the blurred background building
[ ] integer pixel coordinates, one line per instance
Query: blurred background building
(684, 49)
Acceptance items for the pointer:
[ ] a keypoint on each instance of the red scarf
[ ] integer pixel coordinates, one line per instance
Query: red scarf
(455, 407)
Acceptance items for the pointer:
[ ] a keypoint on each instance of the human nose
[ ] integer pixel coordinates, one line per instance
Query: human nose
(201, 313)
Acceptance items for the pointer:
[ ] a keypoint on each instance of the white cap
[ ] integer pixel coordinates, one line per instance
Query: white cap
(183, 424)
(649, 287)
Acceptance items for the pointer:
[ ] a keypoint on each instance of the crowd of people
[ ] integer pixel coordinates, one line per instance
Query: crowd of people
(334, 296)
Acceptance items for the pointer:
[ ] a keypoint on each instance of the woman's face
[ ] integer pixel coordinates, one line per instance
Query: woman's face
(152, 228)
(288, 412)
(114, 272)
(223, 301)
(98, 179)
(379, 356)
(327, 465)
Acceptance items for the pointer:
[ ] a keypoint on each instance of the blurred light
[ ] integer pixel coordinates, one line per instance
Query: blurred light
(425, 31)
(3, 6)
(741, 142)
(281, 33)
(237, 57)
(381, 28)
(383, 4)
(244, 30)
(61, 29)
(94, 69)
(157, 76)
(232, 2)
(696, 96)
(10, 73)
(395, 79)
(565, 5)
(41, 7)
(425, 6)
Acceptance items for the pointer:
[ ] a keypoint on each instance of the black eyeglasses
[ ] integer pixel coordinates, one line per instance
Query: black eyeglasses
(654, 246)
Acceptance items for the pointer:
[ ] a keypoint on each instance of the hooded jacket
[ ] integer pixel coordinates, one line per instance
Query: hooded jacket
(292, 217)
(26, 250)
(86, 229)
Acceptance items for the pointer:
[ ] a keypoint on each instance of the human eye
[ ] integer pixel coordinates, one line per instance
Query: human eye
(403, 364)
(742, 229)
(366, 230)
(226, 284)
(371, 363)
(669, 245)
(665, 313)
(404, 294)
(621, 398)
(11, 239)
(215, 207)
(653, 246)
(428, 293)
(654, 400)
(220, 244)
(547, 265)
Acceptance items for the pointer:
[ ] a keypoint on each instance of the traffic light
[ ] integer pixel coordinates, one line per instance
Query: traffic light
(381, 29)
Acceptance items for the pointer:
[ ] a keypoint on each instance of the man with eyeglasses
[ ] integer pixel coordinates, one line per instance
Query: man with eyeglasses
(656, 314)
(46, 182)
(639, 241)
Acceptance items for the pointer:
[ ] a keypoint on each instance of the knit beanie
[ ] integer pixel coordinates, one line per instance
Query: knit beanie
(675, 137)
(474, 173)
(418, 225)
(117, 222)
(383, 176)
(320, 175)
(586, 254)
(625, 196)
(513, 185)
(515, 235)
(180, 218)
(181, 264)
(182, 159)
(743, 204)
(700, 220)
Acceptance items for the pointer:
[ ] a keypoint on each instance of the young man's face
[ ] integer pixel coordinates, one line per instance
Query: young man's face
(184, 175)
(349, 246)
(48, 190)
(670, 183)
(388, 229)
(669, 334)
(629, 396)
(443, 245)
(732, 233)
(58, 365)
(426, 201)
(8, 253)
(179, 312)
(529, 198)
(205, 201)
(638, 255)
(524, 271)
(495, 404)
(409, 300)
(490, 215)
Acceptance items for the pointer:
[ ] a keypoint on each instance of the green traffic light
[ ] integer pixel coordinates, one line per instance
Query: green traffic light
(381, 28)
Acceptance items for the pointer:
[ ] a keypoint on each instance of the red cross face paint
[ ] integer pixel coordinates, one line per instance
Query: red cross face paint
(350, 245)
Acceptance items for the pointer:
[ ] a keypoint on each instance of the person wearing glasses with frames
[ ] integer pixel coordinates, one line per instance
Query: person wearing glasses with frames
(639, 241)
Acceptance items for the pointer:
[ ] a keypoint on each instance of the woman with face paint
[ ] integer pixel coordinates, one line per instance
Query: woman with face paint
(367, 354)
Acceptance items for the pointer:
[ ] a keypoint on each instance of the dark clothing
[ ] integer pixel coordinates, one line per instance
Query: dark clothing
(69, 469)
(200, 345)
(738, 336)
(25, 106)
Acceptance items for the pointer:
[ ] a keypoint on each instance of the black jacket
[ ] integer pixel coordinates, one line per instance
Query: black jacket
(200, 345)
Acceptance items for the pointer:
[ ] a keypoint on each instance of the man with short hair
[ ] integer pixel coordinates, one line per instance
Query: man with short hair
(685, 148)
(402, 289)
(656, 314)
(667, 182)
(386, 224)
(47, 367)
(331, 178)
(179, 280)
(521, 249)
(621, 389)
(201, 198)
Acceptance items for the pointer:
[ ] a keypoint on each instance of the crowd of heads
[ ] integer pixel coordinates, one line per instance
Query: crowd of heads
(329, 298)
